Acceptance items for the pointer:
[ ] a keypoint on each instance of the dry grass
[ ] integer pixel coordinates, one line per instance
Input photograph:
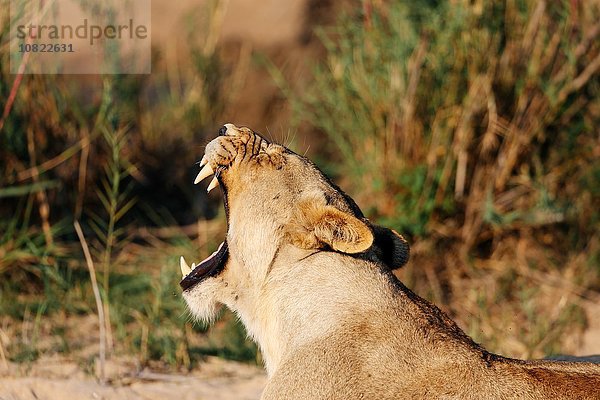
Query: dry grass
(116, 153)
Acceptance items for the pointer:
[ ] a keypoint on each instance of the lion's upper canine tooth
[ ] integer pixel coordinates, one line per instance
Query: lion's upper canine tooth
(204, 172)
(203, 161)
(185, 269)
(213, 184)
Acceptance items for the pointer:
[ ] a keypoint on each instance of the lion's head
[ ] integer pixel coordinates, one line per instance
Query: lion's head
(279, 205)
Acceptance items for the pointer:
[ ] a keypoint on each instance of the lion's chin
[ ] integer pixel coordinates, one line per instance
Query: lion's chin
(202, 300)
(211, 266)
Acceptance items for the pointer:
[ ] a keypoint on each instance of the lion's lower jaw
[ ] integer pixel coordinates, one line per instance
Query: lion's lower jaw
(201, 301)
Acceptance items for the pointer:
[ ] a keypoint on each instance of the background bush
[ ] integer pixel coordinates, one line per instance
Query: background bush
(472, 127)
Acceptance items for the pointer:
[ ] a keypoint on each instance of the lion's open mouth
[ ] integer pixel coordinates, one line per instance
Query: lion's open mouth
(215, 263)
(211, 266)
(233, 143)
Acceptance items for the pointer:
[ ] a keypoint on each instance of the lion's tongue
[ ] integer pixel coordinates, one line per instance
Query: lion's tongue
(212, 265)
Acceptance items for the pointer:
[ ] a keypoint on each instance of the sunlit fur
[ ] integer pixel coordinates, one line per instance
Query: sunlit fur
(310, 279)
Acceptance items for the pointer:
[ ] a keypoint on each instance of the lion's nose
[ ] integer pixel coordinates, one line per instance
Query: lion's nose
(223, 131)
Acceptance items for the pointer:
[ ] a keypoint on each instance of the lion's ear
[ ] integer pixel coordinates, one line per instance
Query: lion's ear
(316, 224)
(390, 247)
(342, 231)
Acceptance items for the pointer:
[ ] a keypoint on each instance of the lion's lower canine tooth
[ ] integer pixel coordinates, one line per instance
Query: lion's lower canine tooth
(204, 172)
(185, 269)
(213, 184)
(203, 161)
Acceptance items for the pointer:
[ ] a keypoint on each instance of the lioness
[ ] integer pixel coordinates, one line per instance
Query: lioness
(310, 278)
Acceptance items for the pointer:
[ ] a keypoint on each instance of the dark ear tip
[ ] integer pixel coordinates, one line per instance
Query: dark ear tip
(403, 249)
(390, 247)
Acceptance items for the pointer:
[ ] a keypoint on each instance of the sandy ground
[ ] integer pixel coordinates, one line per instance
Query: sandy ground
(62, 379)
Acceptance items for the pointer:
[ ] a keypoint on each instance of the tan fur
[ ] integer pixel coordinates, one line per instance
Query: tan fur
(311, 280)
(315, 224)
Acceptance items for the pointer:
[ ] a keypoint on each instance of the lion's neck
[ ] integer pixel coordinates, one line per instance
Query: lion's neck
(306, 297)
(313, 296)
(295, 305)
(262, 322)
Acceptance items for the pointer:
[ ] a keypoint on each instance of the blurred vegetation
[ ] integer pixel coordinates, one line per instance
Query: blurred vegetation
(116, 153)
(505, 90)
(470, 126)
